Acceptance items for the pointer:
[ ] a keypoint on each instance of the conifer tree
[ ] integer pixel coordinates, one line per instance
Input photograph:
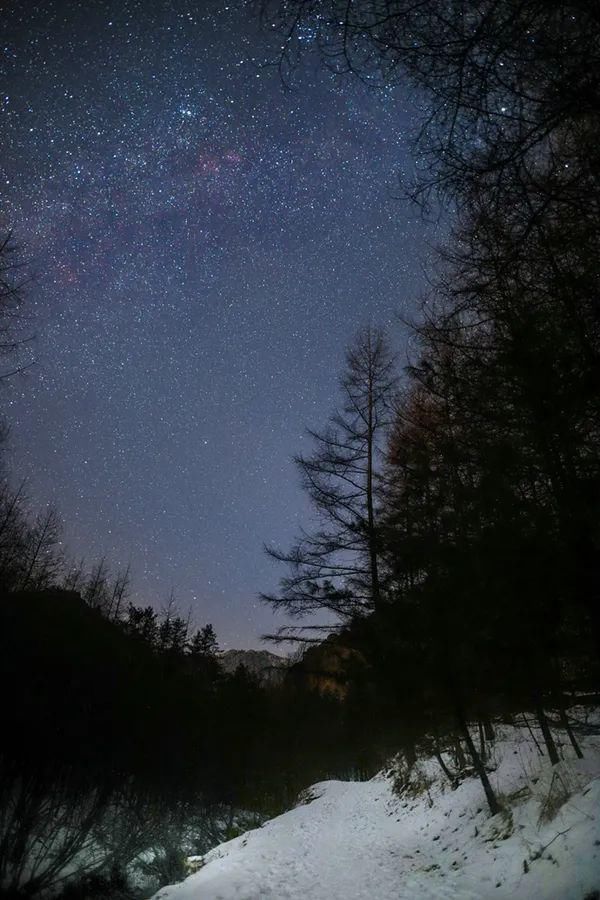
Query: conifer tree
(337, 565)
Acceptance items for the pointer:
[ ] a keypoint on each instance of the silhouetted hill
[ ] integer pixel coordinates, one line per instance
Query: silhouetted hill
(260, 663)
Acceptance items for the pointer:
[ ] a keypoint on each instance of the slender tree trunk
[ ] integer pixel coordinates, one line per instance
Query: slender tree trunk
(460, 756)
(564, 721)
(15, 499)
(547, 735)
(33, 561)
(438, 755)
(372, 537)
(482, 751)
(532, 733)
(478, 764)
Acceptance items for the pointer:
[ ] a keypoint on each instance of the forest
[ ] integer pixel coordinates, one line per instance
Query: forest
(454, 548)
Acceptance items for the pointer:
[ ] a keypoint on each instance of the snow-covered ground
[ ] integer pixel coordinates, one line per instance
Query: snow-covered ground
(361, 841)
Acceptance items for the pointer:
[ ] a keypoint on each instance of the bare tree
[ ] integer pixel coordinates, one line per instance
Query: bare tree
(13, 534)
(120, 593)
(43, 553)
(96, 591)
(74, 578)
(505, 81)
(12, 337)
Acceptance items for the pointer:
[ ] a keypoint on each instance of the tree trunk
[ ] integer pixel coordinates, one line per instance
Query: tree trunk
(460, 756)
(478, 764)
(372, 537)
(482, 751)
(438, 755)
(488, 729)
(547, 735)
(532, 733)
(564, 721)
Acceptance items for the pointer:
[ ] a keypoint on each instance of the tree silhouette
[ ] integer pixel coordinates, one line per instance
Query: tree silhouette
(337, 566)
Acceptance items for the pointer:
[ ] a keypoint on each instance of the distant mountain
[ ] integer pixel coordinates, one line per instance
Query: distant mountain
(264, 665)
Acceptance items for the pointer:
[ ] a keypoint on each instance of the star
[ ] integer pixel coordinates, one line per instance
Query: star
(205, 242)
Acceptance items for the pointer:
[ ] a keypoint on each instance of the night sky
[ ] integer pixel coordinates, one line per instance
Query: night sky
(204, 244)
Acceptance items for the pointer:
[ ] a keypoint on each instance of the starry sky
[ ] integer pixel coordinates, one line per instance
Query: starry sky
(204, 242)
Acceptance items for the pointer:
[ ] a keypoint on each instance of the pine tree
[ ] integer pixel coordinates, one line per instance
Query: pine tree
(337, 566)
(204, 642)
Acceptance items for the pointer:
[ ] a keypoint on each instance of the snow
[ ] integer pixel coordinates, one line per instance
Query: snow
(361, 841)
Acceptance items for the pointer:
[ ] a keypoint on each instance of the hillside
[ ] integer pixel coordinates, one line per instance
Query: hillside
(264, 665)
(422, 839)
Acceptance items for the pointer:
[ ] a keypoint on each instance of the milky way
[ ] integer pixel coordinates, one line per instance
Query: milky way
(204, 242)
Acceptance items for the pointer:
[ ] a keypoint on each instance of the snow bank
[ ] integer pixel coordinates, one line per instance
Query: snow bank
(360, 841)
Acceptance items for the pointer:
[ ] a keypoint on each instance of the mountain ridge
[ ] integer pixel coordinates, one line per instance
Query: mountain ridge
(262, 664)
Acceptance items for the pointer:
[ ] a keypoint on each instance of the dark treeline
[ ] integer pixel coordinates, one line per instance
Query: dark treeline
(457, 537)
(125, 745)
(123, 735)
(458, 540)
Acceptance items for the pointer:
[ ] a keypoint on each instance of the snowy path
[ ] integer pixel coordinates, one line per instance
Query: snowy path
(321, 853)
(357, 841)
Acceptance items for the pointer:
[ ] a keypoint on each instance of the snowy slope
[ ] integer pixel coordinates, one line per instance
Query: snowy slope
(360, 841)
